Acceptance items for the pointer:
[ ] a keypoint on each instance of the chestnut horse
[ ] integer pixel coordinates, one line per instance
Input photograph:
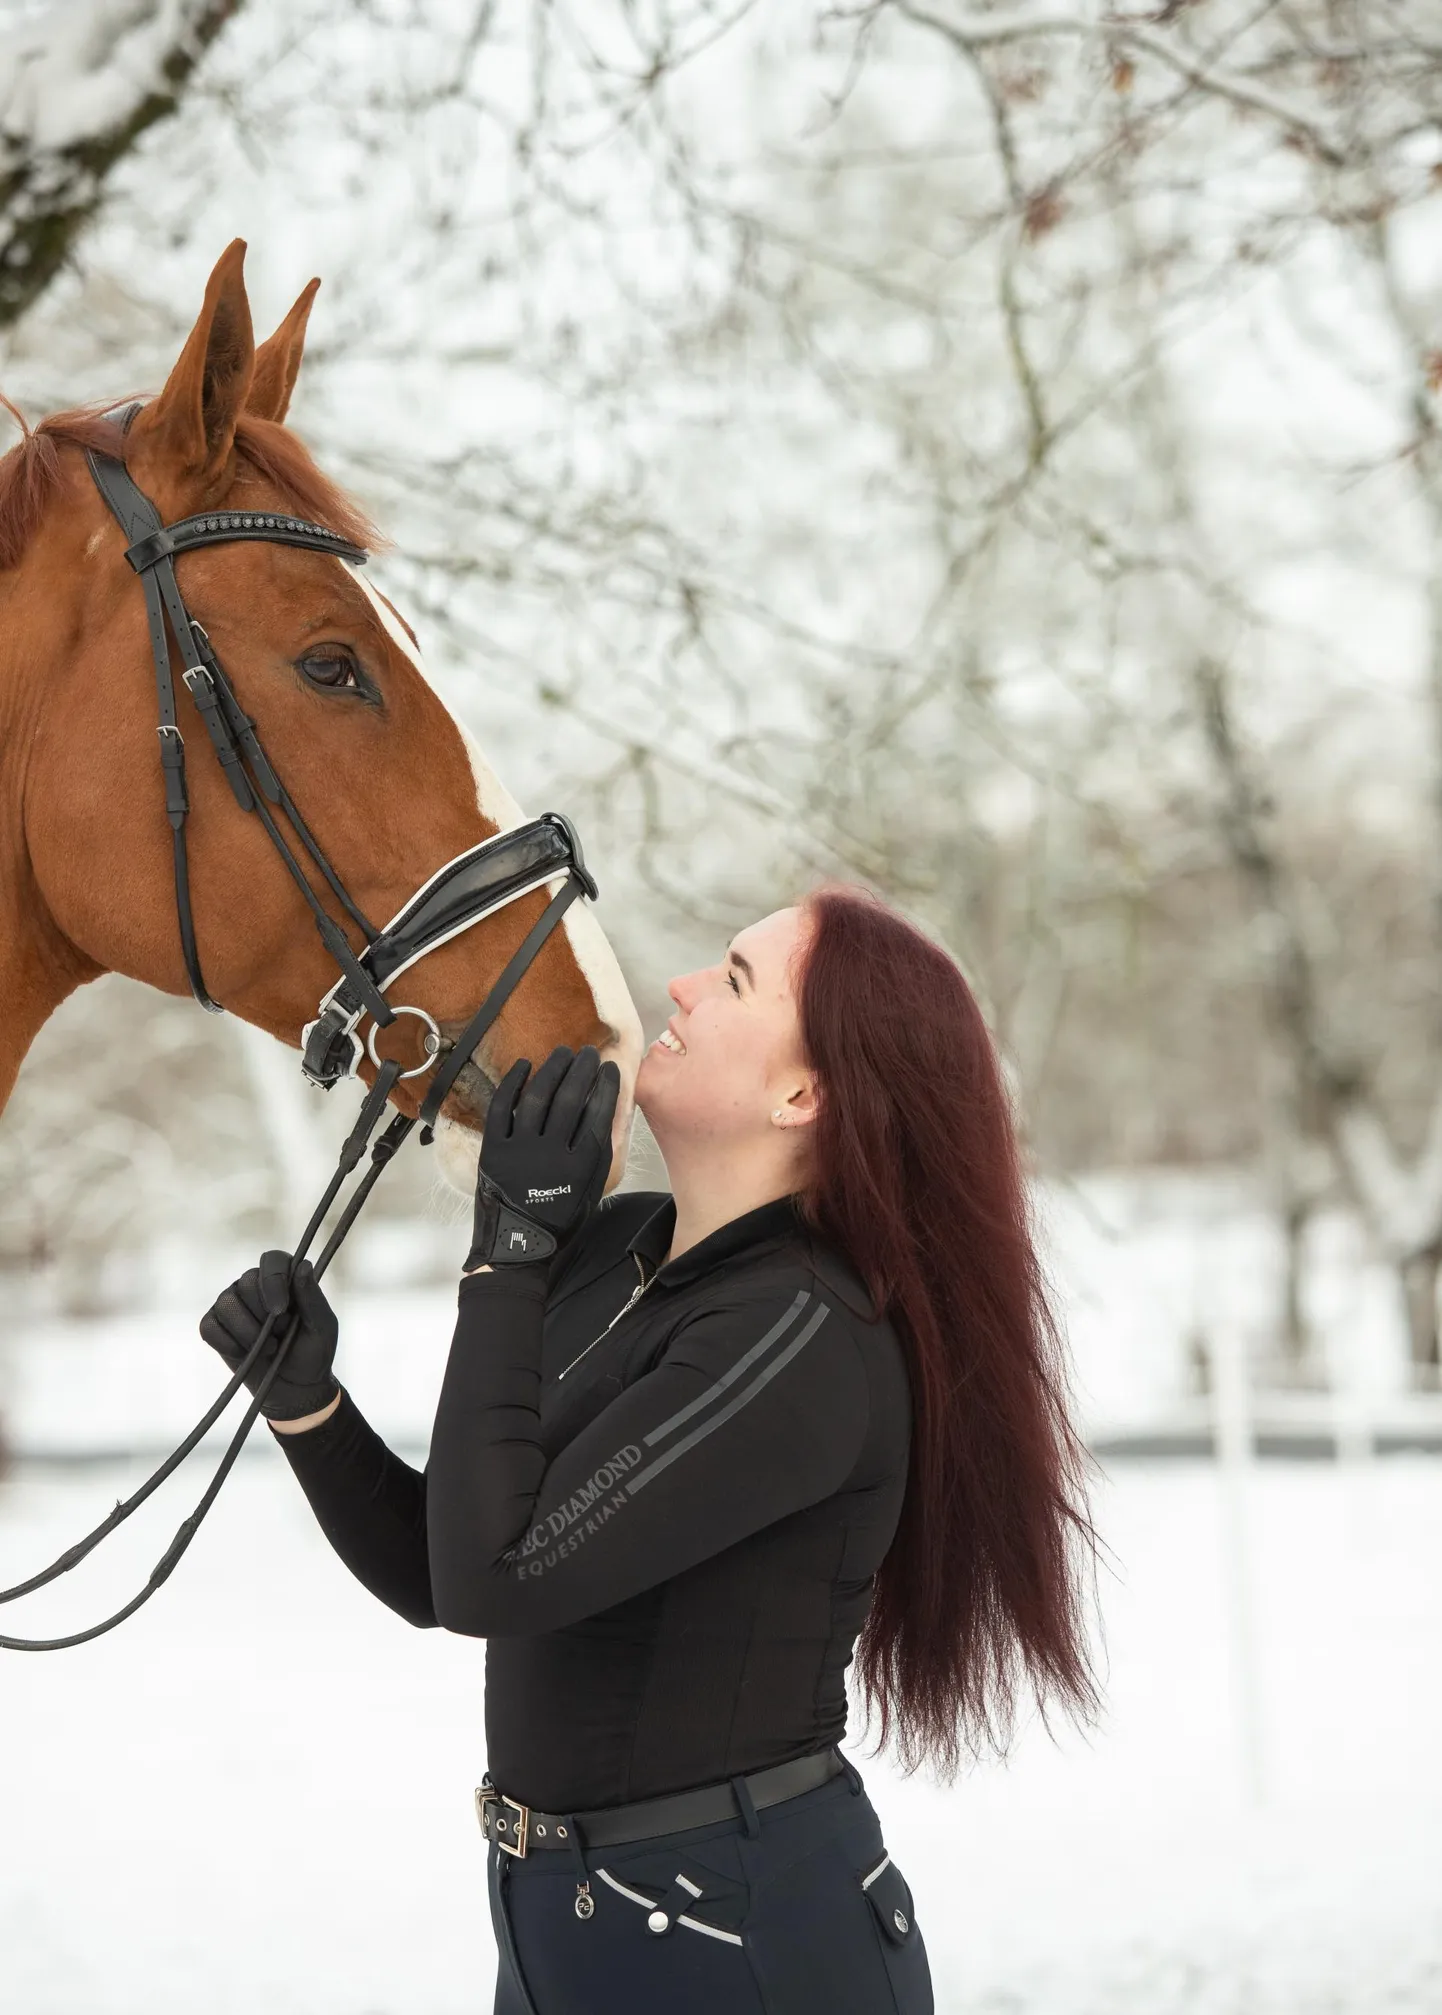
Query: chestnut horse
(388, 782)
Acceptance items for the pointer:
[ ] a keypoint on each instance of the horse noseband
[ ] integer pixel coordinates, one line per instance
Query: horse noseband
(464, 892)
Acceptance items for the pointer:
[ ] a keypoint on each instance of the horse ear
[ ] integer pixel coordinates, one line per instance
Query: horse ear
(184, 441)
(277, 362)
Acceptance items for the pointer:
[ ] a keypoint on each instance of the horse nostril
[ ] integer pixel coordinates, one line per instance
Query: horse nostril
(617, 1048)
(471, 1092)
(477, 1088)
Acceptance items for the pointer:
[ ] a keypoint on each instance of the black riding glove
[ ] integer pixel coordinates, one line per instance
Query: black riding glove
(304, 1384)
(545, 1156)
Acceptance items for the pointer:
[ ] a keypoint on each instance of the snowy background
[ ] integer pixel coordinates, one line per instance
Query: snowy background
(1252, 1830)
(257, 1794)
(991, 451)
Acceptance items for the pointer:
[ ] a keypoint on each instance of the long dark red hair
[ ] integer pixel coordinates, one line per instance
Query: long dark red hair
(918, 1181)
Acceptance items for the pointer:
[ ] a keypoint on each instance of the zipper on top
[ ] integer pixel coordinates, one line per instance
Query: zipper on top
(636, 1292)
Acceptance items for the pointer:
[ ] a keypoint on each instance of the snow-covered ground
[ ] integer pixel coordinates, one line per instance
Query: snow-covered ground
(257, 1795)
(1150, 1271)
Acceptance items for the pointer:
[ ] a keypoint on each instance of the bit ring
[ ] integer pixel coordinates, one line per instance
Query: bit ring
(433, 1041)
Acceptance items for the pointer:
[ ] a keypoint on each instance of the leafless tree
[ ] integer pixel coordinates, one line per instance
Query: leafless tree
(867, 439)
(79, 84)
(1105, 134)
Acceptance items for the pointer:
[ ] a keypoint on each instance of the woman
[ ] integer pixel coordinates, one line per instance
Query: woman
(689, 1447)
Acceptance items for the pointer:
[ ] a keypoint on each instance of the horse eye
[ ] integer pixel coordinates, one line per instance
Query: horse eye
(333, 667)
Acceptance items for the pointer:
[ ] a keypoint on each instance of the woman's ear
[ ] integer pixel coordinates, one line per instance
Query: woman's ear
(800, 1105)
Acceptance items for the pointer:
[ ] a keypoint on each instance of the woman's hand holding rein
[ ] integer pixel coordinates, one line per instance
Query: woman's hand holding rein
(304, 1391)
(545, 1156)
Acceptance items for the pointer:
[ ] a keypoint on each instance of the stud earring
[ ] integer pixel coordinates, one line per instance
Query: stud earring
(777, 1113)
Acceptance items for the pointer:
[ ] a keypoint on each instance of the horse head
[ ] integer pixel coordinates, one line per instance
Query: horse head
(388, 782)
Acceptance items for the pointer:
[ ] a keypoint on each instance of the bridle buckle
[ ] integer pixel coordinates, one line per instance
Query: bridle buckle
(329, 1046)
(487, 1794)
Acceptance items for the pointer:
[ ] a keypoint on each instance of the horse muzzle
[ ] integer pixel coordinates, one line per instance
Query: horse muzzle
(463, 893)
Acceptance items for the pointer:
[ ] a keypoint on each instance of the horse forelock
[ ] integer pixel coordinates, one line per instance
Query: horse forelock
(31, 475)
(269, 450)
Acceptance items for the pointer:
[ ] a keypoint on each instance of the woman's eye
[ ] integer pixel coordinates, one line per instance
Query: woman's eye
(734, 984)
(332, 667)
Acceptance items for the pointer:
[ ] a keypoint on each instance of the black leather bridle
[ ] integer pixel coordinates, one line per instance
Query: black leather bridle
(459, 894)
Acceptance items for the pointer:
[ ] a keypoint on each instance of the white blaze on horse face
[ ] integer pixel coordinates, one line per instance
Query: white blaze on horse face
(589, 945)
(458, 1148)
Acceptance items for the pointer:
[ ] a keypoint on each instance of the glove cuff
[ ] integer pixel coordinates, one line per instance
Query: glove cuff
(294, 1402)
(505, 1236)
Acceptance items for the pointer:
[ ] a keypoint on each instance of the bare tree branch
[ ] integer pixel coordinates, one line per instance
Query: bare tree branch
(972, 32)
(78, 87)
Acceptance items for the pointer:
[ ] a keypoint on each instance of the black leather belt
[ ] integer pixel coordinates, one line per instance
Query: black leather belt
(520, 1829)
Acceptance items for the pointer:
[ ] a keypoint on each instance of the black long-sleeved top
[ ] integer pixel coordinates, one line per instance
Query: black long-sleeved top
(660, 1492)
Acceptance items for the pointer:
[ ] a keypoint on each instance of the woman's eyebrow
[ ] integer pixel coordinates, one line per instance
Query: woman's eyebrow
(745, 966)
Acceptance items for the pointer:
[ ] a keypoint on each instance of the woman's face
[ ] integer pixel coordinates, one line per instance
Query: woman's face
(730, 1057)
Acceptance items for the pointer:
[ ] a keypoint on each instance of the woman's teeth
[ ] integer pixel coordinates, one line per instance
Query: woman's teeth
(671, 1042)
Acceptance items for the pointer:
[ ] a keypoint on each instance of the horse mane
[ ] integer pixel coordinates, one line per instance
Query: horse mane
(30, 474)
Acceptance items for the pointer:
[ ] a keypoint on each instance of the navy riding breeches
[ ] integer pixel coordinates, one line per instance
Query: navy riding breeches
(789, 1911)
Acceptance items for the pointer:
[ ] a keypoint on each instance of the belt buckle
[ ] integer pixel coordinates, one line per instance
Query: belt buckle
(485, 1794)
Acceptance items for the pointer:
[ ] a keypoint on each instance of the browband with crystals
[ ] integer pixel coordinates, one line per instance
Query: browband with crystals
(213, 528)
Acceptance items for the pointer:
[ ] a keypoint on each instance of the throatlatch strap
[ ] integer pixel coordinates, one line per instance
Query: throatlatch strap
(177, 799)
